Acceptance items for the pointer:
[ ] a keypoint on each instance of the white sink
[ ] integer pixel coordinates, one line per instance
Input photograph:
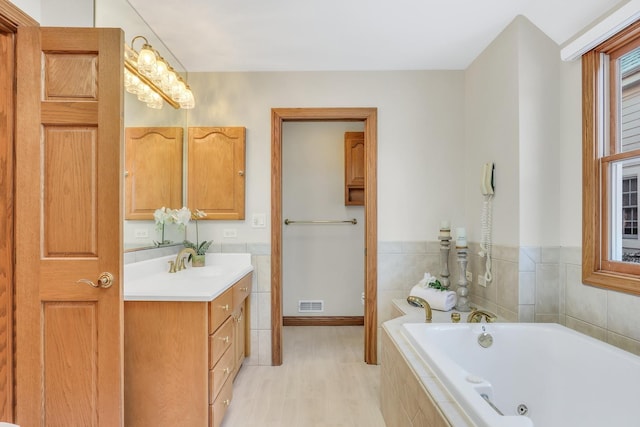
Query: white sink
(150, 280)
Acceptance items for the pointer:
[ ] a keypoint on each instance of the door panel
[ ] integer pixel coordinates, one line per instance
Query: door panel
(69, 168)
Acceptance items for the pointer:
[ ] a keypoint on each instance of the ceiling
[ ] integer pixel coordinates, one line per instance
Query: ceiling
(321, 35)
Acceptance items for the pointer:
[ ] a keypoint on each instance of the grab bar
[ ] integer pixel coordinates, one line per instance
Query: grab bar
(486, 398)
(353, 221)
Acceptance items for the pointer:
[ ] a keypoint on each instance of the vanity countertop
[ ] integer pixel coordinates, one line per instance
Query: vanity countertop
(150, 280)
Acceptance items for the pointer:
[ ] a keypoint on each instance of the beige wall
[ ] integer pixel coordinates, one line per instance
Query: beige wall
(420, 138)
(492, 135)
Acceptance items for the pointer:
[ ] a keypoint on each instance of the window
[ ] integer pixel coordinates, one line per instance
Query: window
(630, 207)
(611, 162)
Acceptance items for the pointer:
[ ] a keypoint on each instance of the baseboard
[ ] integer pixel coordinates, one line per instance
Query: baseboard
(322, 320)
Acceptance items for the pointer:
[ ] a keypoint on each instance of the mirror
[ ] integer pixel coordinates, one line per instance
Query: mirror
(119, 13)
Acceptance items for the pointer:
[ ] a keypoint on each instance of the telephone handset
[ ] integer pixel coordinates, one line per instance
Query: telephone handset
(487, 188)
(486, 181)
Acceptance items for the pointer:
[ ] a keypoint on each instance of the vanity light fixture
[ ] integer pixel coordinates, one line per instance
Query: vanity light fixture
(150, 77)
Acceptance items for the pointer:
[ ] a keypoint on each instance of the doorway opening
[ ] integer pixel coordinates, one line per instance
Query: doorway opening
(369, 118)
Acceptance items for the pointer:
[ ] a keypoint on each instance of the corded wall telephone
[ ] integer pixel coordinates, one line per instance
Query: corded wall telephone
(487, 179)
(487, 188)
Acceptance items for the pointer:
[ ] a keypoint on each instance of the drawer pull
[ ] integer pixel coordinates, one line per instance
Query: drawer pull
(225, 339)
(225, 307)
(226, 402)
(244, 290)
(226, 371)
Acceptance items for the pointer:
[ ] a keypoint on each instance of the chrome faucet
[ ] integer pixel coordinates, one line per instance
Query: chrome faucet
(476, 316)
(421, 302)
(179, 263)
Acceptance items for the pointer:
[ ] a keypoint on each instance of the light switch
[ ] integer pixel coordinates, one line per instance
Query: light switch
(259, 220)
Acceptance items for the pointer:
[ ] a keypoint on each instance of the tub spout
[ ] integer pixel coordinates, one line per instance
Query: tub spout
(476, 316)
(421, 302)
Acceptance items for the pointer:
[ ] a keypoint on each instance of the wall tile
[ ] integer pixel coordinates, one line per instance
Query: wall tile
(264, 347)
(586, 303)
(550, 254)
(264, 311)
(623, 314)
(263, 273)
(547, 289)
(572, 255)
(233, 248)
(389, 247)
(526, 313)
(259, 248)
(586, 328)
(414, 247)
(506, 278)
(385, 298)
(254, 311)
(506, 253)
(527, 291)
(528, 257)
(624, 343)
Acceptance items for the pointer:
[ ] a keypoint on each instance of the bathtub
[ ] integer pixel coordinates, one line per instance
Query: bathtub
(543, 375)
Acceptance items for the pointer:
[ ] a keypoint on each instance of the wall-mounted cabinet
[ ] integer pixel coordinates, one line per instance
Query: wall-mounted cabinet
(354, 168)
(153, 165)
(216, 171)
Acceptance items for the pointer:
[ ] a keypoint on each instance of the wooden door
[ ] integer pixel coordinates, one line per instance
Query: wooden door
(153, 165)
(6, 223)
(215, 171)
(69, 334)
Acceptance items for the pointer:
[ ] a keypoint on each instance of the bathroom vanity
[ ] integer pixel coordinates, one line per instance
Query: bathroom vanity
(185, 339)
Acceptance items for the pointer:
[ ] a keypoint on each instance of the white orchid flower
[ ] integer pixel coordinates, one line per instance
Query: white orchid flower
(182, 216)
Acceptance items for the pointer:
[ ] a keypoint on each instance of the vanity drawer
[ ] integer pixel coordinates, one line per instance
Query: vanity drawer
(219, 309)
(220, 341)
(241, 289)
(220, 405)
(219, 374)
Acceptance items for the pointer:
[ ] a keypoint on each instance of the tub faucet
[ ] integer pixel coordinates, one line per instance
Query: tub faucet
(179, 263)
(476, 316)
(421, 302)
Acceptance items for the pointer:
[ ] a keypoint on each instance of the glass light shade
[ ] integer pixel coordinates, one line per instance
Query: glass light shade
(178, 88)
(160, 71)
(156, 101)
(168, 81)
(189, 102)
(147, 60)
(145, 93)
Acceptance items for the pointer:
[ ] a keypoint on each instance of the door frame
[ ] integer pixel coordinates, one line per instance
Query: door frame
(11, 18)
(369, 117)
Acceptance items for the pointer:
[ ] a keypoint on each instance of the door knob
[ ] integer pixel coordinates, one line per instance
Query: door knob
(105, 280)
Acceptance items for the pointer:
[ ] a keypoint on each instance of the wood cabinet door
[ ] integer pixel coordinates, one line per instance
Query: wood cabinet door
(354, 158)
(153, 170)
(215, 172)
(69, 168)
(354, 168)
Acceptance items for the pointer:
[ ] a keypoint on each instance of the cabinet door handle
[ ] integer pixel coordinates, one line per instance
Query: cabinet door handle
(225, 339)
(244, 290)
(225, 307)
(241, 173)
(226, 371)
(226, 402)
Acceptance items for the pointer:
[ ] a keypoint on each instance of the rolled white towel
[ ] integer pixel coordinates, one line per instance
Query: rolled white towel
(437, 299)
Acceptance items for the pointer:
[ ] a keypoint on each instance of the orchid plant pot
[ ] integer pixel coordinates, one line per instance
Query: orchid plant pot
(197, 260)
